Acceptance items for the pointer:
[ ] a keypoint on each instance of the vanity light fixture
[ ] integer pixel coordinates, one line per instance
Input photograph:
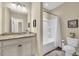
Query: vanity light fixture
(17, 7)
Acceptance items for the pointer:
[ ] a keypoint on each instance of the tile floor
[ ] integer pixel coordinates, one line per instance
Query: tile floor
(55, 53)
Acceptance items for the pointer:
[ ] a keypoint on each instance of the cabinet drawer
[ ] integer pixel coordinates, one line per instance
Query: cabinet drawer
(26, 39)
(10, 42)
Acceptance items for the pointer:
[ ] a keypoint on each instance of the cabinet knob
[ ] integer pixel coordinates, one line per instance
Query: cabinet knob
(19, 45)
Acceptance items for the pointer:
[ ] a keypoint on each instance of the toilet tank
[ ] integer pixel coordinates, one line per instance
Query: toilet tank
(72, 42)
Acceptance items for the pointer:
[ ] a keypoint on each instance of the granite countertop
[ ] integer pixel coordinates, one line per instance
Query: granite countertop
(15, 35)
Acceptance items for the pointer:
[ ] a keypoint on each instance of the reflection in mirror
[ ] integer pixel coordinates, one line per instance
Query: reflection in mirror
(15, 17)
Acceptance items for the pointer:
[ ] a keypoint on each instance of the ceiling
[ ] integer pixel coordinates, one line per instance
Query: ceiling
(51, 5)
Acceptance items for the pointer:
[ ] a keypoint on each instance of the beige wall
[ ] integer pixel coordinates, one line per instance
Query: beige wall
(29, 17)
(68, 11)
(4, 19)
(36, 14)
(0, 18)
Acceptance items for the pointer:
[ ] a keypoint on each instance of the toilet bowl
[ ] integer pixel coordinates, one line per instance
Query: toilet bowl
(69, 49)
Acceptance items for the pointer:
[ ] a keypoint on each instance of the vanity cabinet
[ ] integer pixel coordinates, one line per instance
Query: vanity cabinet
(10, 50)
(18, 47)
(0, 48)
(29, 46)
(34, 50)
(0, 51)
(26, 49)
(25, 46)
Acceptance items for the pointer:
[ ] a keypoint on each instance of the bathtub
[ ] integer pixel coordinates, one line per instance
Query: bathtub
(49, 45)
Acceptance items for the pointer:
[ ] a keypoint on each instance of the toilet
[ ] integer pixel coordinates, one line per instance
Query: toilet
(69, 49)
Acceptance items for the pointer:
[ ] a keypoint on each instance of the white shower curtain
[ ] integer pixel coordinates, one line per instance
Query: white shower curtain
(51, 33)
(49, 30)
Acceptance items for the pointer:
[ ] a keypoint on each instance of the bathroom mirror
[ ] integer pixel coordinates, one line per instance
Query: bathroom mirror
(15, 16)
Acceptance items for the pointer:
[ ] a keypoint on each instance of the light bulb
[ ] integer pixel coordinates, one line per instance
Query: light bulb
(46, 4)
(18, 6)
(13, 5)
(24, 9)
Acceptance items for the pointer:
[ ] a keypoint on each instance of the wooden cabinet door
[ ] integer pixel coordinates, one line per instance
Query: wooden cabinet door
(10, 50)
(0, 51)
(20, 47)
(26, 47)
(34, 49)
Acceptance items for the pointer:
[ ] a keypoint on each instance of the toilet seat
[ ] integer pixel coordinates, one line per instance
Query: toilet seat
(69, 49)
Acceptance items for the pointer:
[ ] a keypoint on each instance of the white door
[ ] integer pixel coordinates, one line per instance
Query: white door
(20, 26)
(17, 25)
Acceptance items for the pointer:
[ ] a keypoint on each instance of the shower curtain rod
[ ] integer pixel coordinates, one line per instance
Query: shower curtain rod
(50, 13)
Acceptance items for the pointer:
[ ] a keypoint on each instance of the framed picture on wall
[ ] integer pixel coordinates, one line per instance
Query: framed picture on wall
(73, 23)
(34, 23)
